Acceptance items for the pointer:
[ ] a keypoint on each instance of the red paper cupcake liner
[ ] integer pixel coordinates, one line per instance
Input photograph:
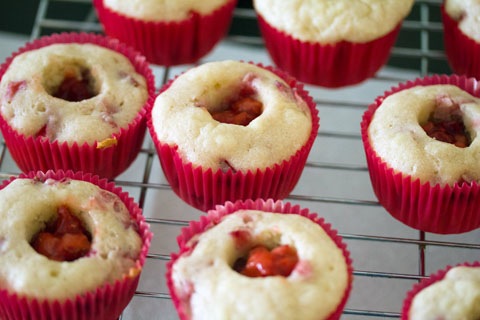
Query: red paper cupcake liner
(213, 217)
(332, 65)
(204, 188)
(169, 43)
(425, 282)
(106, 302)
(431, 208)
(39, 154)
(462, 51)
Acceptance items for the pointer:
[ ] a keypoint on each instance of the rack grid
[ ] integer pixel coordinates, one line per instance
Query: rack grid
(389, 257)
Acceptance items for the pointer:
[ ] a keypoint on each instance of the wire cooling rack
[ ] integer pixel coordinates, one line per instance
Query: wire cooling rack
(389, 257)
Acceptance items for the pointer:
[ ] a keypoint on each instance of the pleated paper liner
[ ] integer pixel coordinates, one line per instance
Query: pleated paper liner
(214, 216)
(430, 208)
(103, 303)
(426, 282)
(462, 51)
(169, 43)
(33, 153)
(331, 65)
(203, 188)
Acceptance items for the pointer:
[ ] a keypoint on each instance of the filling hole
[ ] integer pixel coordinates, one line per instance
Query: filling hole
(241, 110)
(446, 124)
(260, 261)
(74, 82)
(64, 239)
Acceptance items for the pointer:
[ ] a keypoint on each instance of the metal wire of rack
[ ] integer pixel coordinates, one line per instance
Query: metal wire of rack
(388, 256)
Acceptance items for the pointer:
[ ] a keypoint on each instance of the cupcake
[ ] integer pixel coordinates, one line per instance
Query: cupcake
(421, 145)
(74, 250)
(75, 101)
(330, 43)
(259, 260)
(461, 36)
(452, 293)
(167, 32)
(241, 134)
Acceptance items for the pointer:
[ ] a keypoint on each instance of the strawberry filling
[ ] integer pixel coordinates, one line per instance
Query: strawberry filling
(262, 262)
(446, 124)
(12, 89)
(76, 86)
(241, 112)
(63, 240)
(242, 238)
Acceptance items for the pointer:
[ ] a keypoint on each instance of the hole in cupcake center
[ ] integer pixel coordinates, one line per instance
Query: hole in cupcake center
(71, 82)
(446, 124)
(240, 111)
(64, 239)
(263, 262)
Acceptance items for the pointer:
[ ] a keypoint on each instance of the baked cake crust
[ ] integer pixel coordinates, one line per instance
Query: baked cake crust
(115, 248)
(163, 10)
(456, 296)
(205, 274)
(181, 116)
(28, 105)
(397, 137)
(467, 13)
(328, 21)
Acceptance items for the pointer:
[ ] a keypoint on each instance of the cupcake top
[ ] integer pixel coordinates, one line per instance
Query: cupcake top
(243, 119)
(456, 296)
(39, 262)
(211, 272)
(328, 21)
(429, 133)
(163, 10)
(71, 93)
(467, 12)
